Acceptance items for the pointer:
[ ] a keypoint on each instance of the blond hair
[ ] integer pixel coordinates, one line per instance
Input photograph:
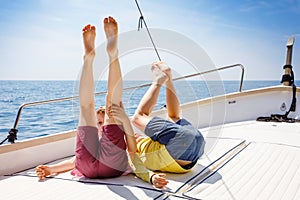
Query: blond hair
(101, 109)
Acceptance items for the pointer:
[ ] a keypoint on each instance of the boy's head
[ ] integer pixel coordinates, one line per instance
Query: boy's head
(100, 112)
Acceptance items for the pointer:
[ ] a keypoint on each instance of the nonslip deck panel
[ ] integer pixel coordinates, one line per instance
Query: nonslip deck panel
(220, 147)
(22, 187)
(260, 171)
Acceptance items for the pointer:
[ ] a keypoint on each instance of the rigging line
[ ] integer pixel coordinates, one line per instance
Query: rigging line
(141, 20)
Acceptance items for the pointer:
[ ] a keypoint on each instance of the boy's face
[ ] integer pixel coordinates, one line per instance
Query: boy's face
(100, 118)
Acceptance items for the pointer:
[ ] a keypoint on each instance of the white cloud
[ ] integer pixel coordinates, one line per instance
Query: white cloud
(253, 6)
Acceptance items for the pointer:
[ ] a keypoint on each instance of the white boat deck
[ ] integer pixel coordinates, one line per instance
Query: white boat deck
(268, 168)
(243, 160)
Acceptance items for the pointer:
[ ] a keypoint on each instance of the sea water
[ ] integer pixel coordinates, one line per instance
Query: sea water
(39, 120)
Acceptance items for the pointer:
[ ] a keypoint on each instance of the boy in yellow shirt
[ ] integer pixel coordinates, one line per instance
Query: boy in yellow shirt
(172, 145)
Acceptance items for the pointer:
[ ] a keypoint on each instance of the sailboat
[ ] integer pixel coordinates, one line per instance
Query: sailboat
(252, 152)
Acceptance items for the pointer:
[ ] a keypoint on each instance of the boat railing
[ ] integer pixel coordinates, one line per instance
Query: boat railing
(13, 132)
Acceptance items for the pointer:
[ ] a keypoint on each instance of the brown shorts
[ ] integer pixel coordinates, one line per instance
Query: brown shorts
(101, 158)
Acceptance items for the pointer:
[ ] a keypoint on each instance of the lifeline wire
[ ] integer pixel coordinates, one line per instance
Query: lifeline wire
(141, 20)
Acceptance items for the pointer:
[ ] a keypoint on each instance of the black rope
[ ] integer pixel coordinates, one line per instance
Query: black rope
(140, 26)
(288, 77)
(284, 117)
(294, 100)
(4, 140)
(291, 83)
(12, 136)
(277, 118)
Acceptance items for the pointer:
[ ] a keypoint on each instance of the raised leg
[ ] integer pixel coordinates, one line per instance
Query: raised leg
(173, 104)
(141, 116)
(86, 85)
(115, 86)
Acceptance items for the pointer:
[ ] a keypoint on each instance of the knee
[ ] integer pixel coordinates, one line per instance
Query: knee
(140, 121)
(174, 118)
(136, 119)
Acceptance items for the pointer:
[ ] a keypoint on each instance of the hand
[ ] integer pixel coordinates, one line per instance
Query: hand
(42, 171)
(159, 180)
(117, 112)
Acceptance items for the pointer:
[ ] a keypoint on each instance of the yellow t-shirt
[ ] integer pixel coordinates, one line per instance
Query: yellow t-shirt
(156, 157)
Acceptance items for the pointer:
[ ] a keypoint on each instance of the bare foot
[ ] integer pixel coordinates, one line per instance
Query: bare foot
(165, 69)
(89, 35)
(111, 32)
(42, 171)
(159, 77)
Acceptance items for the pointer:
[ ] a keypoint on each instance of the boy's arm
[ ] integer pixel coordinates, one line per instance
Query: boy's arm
(135, 161)
(43, 171)
(118, 113)
(138, 167)
(64, 166)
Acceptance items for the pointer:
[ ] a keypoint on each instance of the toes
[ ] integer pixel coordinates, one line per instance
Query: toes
(88, 28)
(155, 66)
(85, 28)
(161, 66)
(111, 19)
(105, 20)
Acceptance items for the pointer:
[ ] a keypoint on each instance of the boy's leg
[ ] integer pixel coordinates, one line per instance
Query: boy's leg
(87, 132)
(141, 117)
(86, 85)
(173, 104)
(115, 83)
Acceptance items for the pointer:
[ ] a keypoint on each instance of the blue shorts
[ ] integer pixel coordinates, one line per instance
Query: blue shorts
(182, 140)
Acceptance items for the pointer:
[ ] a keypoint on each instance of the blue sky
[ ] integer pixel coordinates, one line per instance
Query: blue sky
(41, 39)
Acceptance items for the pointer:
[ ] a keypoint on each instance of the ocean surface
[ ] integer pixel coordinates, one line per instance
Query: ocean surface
(40, 120)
